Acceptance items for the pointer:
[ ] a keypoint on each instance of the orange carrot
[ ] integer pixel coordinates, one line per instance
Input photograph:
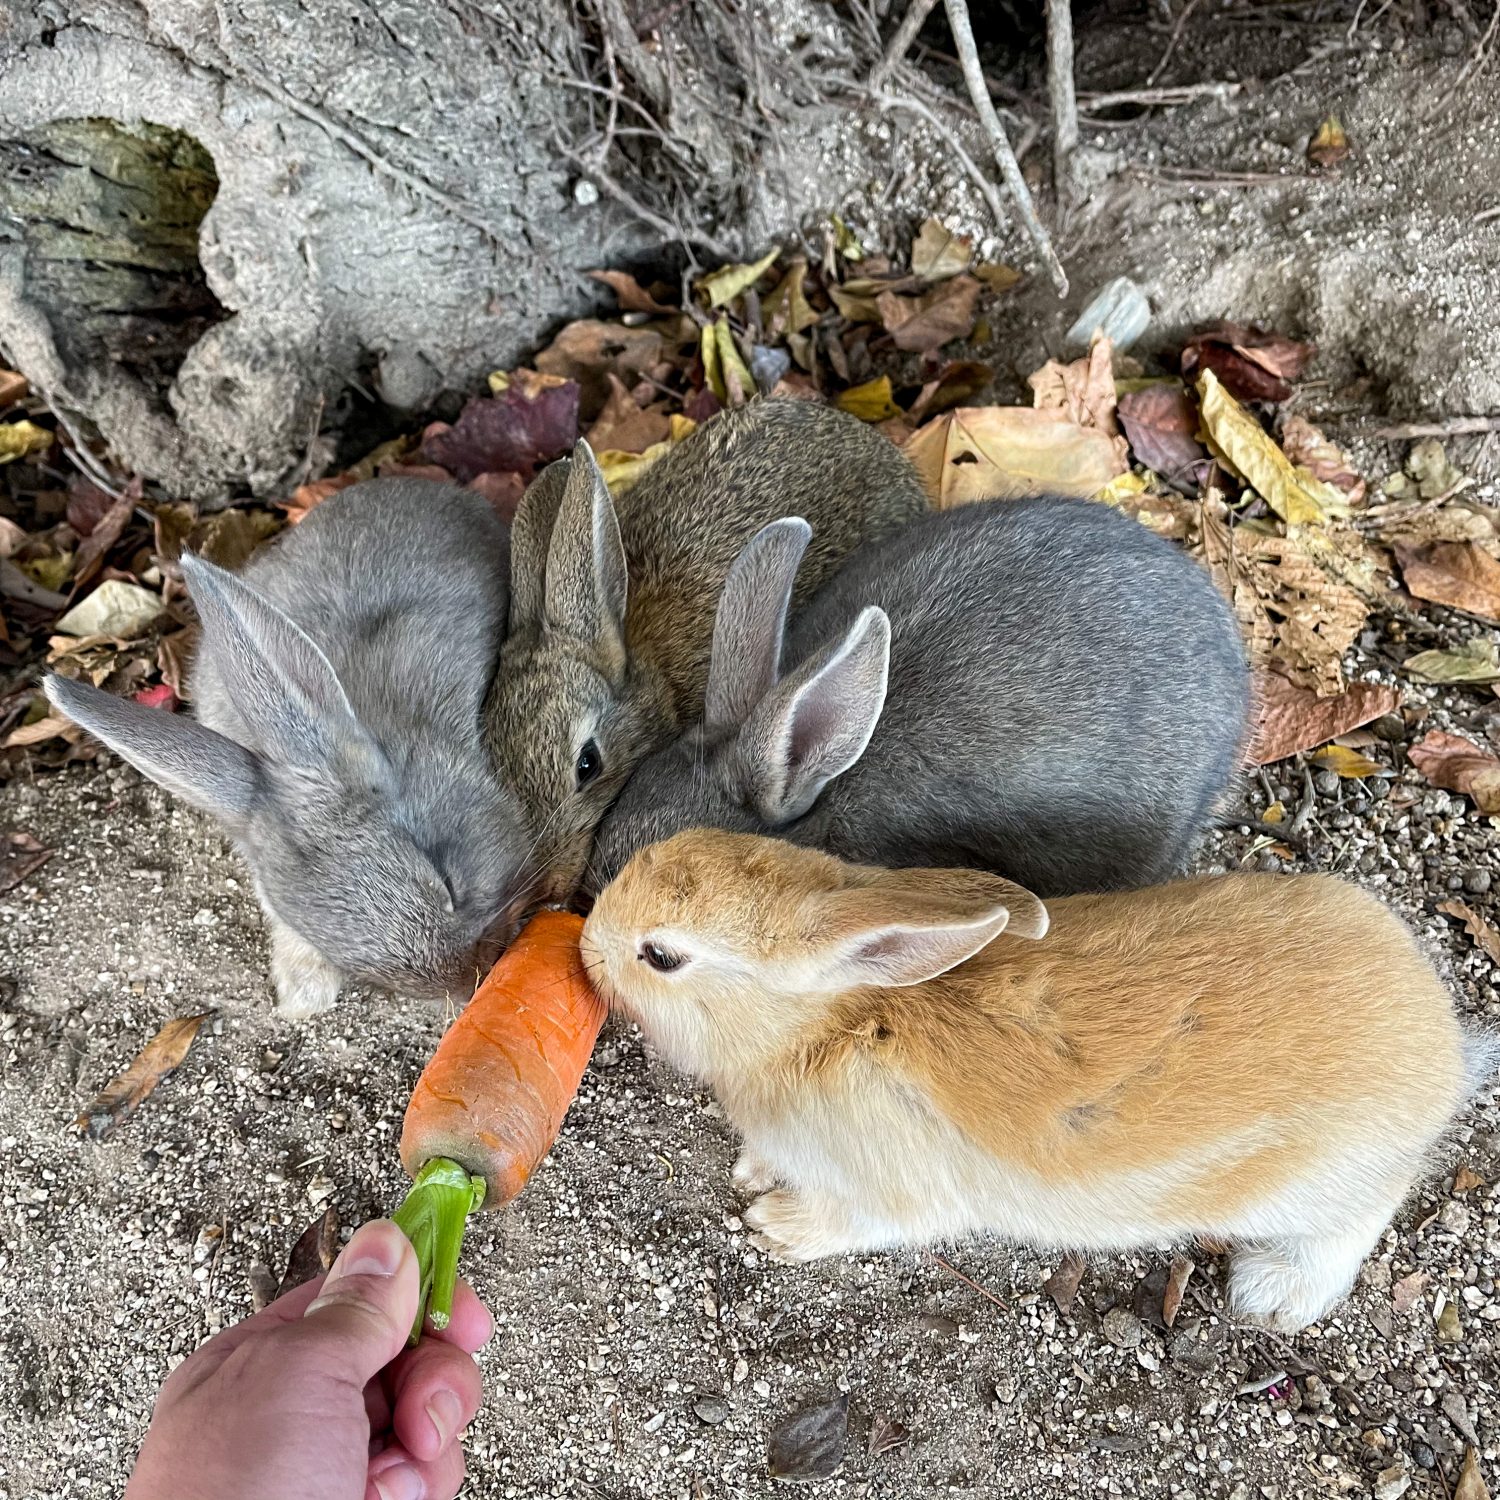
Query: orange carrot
(490, 1102)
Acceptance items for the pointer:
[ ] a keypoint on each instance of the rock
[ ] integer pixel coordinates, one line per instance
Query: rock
(711, 1409)
(1391, 1483)
(1327, 783)
(1454, 1217)
(1123, 1329)
(1477, 882)
(1120, 309)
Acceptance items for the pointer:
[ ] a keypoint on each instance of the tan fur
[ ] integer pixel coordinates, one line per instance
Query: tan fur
(562, 681)
(1263, 1058)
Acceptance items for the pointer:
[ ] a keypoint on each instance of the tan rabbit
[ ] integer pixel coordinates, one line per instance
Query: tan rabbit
(913, 1055)
(612, 607)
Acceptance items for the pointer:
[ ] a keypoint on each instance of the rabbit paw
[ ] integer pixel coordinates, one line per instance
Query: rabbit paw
(796, 1227)
(306, 983)
(752, 1175)
(1286, 1286)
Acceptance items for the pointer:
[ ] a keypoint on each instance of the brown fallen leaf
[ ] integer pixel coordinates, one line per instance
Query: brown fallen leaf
(1252, 364)
(870, 402)
(313, 493)
(1062, 1285)
(517, 431)
(38, 731)
(88, 561)
(1177, 1280)
(1461, 575)
(918, 324)
(502, 490)
(1465, 1180)
(810, 1443)
(1005, 452)
(785, 309)
(1459, 765)
(1346, 763)
(1486, 939)
(1161, 424)
(590, 349)
(1307, 448)
(174, 656)
(626, 426)
(121, 1097)
(997, 276)
(13, 386)
(956, 382)
(633, 297)
(1291, 718)
(1407, 1292)
(722, 286)
(938, 253)
(886, 1434)
(314, 1252)
(1470, 1484)
(1329, 146)
(20, 854)
(1085, 390)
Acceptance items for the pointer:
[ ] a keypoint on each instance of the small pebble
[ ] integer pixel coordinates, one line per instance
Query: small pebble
(711, 1409)
(1327, 782)
(1477, 882)
(1123, 1329)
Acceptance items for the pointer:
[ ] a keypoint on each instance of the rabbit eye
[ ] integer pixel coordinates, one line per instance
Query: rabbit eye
(661, 959)
(590, 763)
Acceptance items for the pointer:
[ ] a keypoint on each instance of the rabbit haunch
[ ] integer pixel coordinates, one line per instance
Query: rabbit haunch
(916, 1055)
(1037, 687)
(338, 685)
(612, 606)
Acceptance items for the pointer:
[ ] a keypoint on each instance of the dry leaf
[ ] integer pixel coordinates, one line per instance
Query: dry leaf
(13, 386)
(590, 349)
(1177, 1280)
(1427, 474)
(1329, 145)
(625, 426)
(998, 277)
(937, 253)
(502, 491)
(886, 1434)
(515, 432)
(857, 307)
(623, 470)
(1161, 424)
(870, 402)
(314, 1252)
(1005, 452)
(1459, 765)
(1085, 390)
(724, 368)
(1450, 1328)
(956, 382)
(1485, 937)
(1470, 1484)
(1408, 1291)
(845, 241)
(1252, 364)
(314, 492)
(1347, 763)
(1476, 661)
(1062, 1285)
(20, 856)
(1466, 1179)
(810, 1443)
(1307, 448)
(157, 1059)
(725, 284)
(1243, 446)
(1291, 718)
(22, 439)
(785, 309)
(115, 608)
(107, 530)
(918, 324)
(1458, 574)
(632, 296)
(49, 726)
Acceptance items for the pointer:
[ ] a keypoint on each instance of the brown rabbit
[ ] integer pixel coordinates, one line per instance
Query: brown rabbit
(913, 1055)
(612, 607)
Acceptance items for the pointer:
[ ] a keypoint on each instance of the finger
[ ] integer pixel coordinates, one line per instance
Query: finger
(435, 1393)
(399, 1475)
(360, 1319)
(471, 1325)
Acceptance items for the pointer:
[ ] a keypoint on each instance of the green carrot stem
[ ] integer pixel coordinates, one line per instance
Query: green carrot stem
(432, 1217)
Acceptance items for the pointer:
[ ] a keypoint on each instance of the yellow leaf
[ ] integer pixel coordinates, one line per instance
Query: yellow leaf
(499, 381)
(938, 253)
(856, 306)
(1275, 813)
(1345, 762)
(870, 402)
(1005, 452)
(52, 571)
(786, 309)
(734, 373)
(1330, 145)
(1241, 444)
(1123, 487)
(725, 284)
(845, 241)
(622, 470)
(21, 440)
(708, 352)
(996, 276)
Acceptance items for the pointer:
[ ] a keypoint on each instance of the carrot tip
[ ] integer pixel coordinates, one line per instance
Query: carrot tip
(432, 1217)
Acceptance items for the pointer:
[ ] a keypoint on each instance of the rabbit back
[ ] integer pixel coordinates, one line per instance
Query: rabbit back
(1067, 697)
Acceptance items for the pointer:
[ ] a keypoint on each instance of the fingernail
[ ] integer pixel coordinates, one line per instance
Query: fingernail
(377, 1249)
(447, 1414)
(399, 1483)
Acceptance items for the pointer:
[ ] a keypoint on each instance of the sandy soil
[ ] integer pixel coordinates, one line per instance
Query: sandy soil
(643, 1348)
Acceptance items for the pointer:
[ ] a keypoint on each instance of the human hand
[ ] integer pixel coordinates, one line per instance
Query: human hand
(318, 1397)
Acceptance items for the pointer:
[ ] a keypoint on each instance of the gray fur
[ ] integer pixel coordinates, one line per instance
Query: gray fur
(1067, 699)
(338, 688)
(567, 677)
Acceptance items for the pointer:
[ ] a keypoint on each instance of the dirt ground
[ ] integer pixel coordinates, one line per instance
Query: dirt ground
(643, 1348)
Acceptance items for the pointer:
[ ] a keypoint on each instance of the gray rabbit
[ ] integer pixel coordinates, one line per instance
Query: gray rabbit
(1064, 695)
(338, 688)
(612, 608)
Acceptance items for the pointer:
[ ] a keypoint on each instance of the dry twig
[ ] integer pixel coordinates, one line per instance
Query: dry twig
(968, 1281)
(1172, 41)
(906, 34)
(1449, 427)
(1063, 97)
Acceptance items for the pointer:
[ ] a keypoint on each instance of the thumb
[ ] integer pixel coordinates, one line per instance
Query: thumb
(365, 1310)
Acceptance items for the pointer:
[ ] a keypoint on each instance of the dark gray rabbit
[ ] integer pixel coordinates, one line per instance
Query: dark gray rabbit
(338, 687)
(1064, 695)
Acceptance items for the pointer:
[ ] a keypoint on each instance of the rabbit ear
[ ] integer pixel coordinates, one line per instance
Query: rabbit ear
(530, 535)
(749, 623)
(908, 926)
(273, 671)
(191, 762)
(586, 576)
(816, 722)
